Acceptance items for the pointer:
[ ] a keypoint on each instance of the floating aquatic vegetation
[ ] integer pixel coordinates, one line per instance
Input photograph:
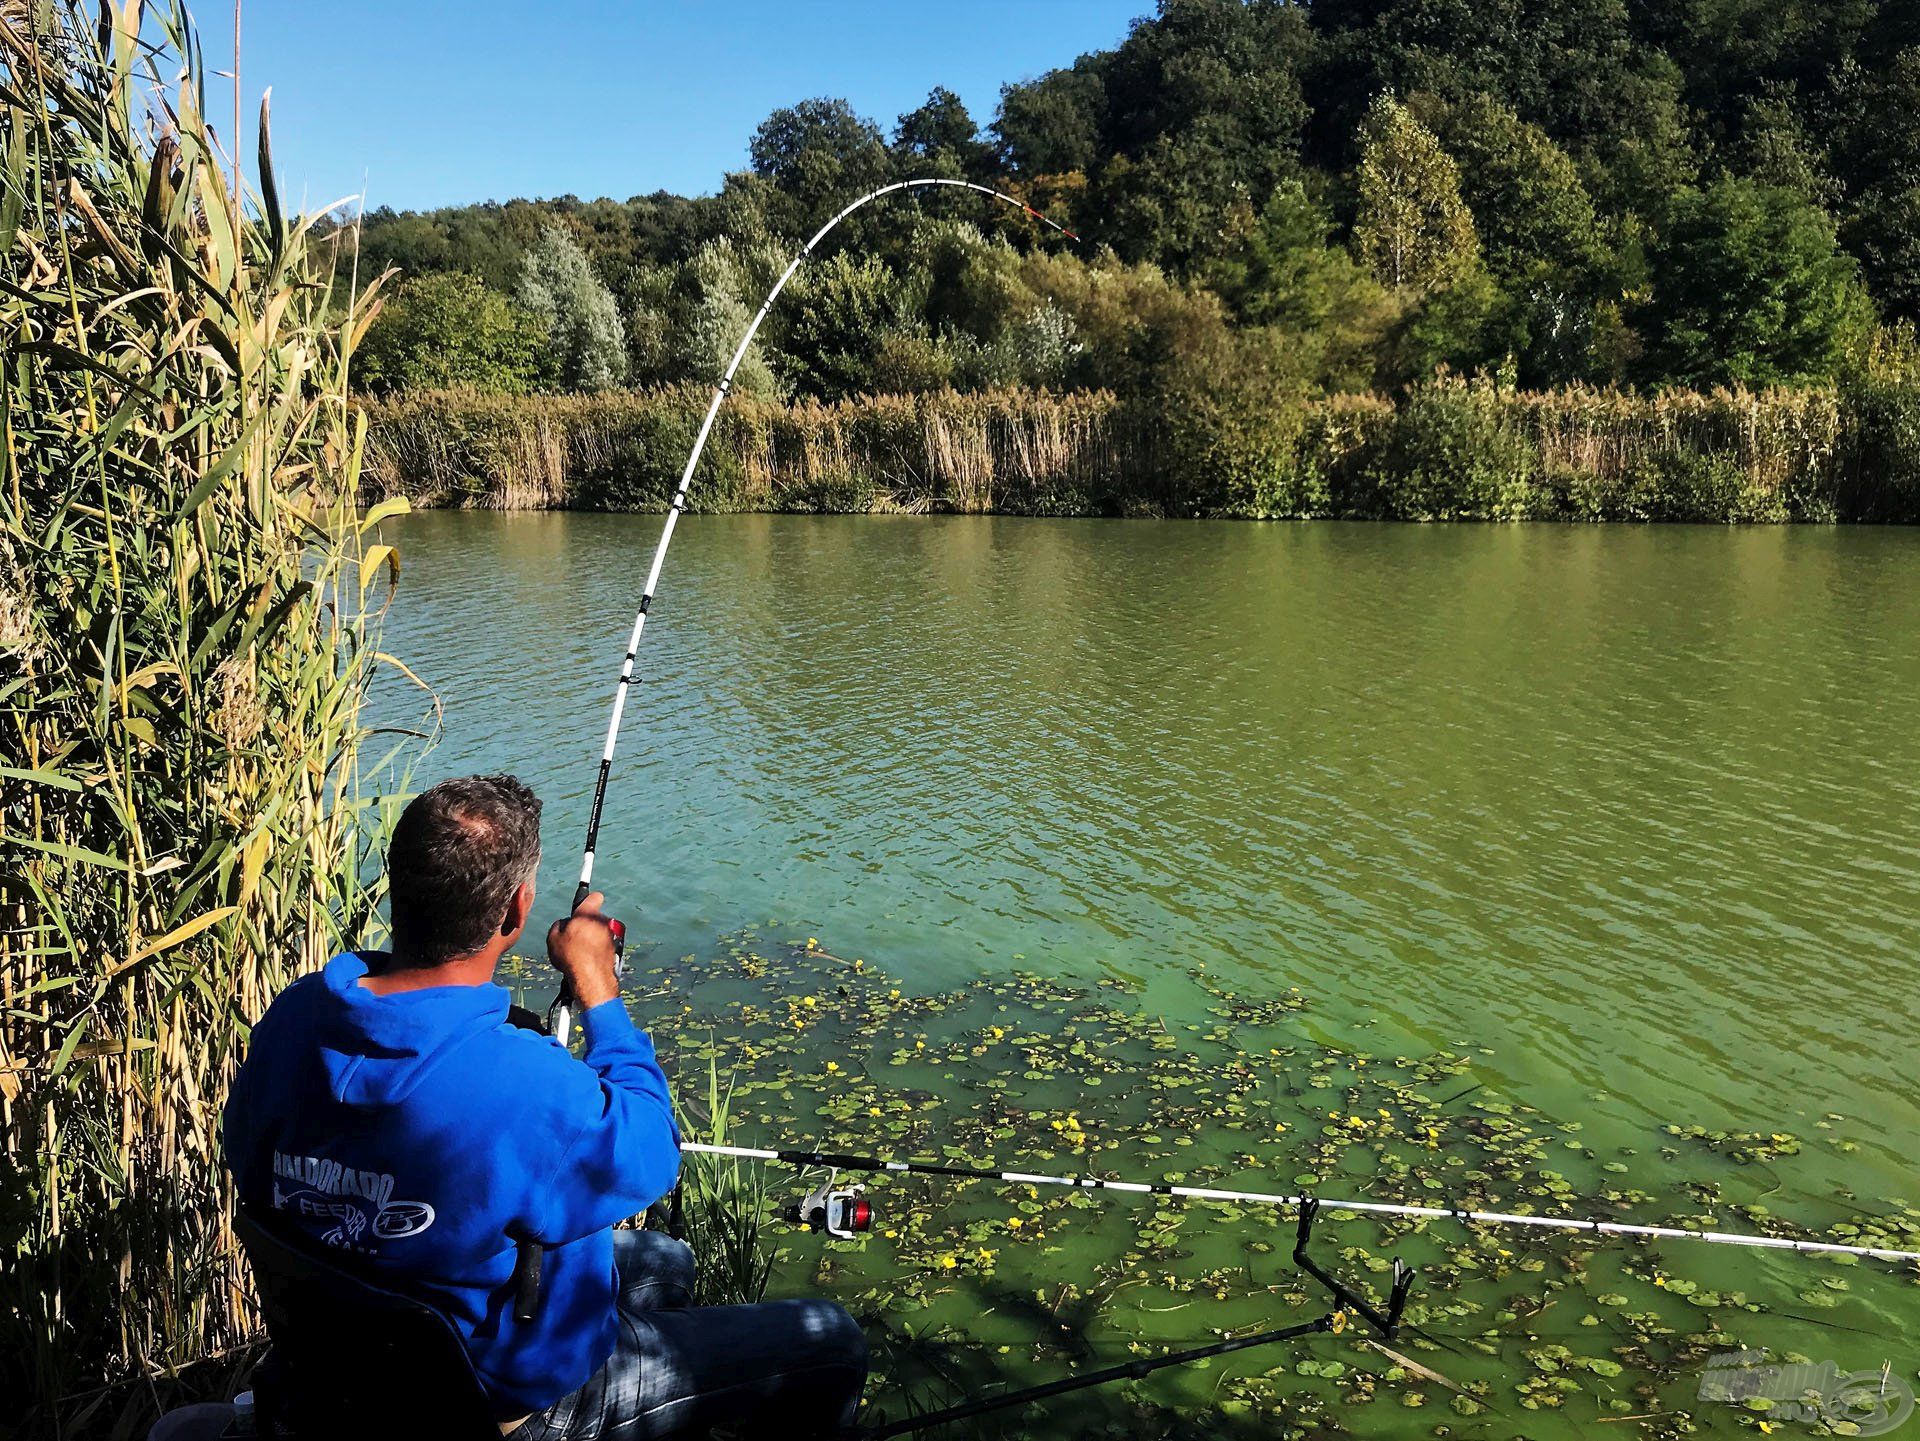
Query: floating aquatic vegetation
(1741, 1146)
(968, 1284)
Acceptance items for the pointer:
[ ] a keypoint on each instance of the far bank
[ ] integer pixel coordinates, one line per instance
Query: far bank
(1449, 450)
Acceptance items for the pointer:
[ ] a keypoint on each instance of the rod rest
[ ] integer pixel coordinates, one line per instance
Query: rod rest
(1387, 1322)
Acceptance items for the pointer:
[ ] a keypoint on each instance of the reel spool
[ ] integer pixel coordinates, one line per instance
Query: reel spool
(842, 1212)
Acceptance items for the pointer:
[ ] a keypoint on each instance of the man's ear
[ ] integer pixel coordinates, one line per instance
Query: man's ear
(519, 907)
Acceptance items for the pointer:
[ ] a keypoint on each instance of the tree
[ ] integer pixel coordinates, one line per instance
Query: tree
(726, 285)
(1232, 66)
(1284, 273)
(1054, 125)
(821, 155)
(940, 138)
(1529, 206)
(1776, 149)
(1880, 166)
(1172, 204)
(558, 287)
(1541, 236)
(1412, 230)
(1579, 69)
(451, 329)
(1195, 116)
(842, 312)
(1750, 286)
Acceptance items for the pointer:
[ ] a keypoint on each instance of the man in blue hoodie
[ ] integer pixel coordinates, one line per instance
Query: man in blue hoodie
(390, 1115)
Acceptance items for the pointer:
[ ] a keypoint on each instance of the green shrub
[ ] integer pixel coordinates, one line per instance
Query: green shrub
(1566, 492)
(1711, 487)
(1881, 471)
(1228, 419)
(1452, 452)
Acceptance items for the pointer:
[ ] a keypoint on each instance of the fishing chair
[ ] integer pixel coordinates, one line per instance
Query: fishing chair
(352, 1359)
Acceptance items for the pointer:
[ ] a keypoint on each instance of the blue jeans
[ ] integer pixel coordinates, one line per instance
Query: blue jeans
(791, 1368)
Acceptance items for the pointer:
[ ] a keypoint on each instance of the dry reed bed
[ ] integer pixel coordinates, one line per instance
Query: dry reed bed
(1452, 449)
(623, 451)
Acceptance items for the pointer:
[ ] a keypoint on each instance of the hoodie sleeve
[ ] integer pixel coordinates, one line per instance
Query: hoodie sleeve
(625, 1148)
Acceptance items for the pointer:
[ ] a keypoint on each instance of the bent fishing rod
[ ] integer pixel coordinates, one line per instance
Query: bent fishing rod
(561, 1017)
(837, 1211)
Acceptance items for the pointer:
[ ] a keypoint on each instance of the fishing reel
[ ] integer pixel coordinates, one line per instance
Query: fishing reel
(842, 1212)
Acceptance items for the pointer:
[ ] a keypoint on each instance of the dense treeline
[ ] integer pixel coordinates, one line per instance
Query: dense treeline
(1279, 202)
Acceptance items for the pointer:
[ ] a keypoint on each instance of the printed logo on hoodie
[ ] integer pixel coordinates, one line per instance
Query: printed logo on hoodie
(356, 1201)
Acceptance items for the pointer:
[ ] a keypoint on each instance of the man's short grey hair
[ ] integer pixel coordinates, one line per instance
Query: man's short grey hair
(461, 850)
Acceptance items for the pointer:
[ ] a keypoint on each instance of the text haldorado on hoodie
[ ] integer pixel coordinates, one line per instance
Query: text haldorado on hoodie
(420, 1135)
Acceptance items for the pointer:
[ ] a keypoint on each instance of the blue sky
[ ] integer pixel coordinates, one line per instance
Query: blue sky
(445, 103)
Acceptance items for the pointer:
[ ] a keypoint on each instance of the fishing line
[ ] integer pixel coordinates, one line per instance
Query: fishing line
(562, 1015)
(834, 1160)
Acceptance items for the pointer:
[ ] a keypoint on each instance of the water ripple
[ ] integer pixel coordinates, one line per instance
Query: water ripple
(1636, 809)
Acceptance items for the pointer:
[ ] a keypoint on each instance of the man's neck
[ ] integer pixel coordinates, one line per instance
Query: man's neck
(397, 975)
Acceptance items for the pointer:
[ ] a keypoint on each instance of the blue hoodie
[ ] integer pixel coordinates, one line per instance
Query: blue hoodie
(420, 1134)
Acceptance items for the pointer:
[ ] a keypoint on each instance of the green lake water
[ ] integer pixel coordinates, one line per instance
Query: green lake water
(1512, 846)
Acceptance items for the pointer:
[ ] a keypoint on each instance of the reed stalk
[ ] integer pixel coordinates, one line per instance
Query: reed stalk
(724, 1206)
(188, 611)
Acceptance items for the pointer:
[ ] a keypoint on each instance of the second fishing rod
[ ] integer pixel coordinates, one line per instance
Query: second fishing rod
(844, 1212)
